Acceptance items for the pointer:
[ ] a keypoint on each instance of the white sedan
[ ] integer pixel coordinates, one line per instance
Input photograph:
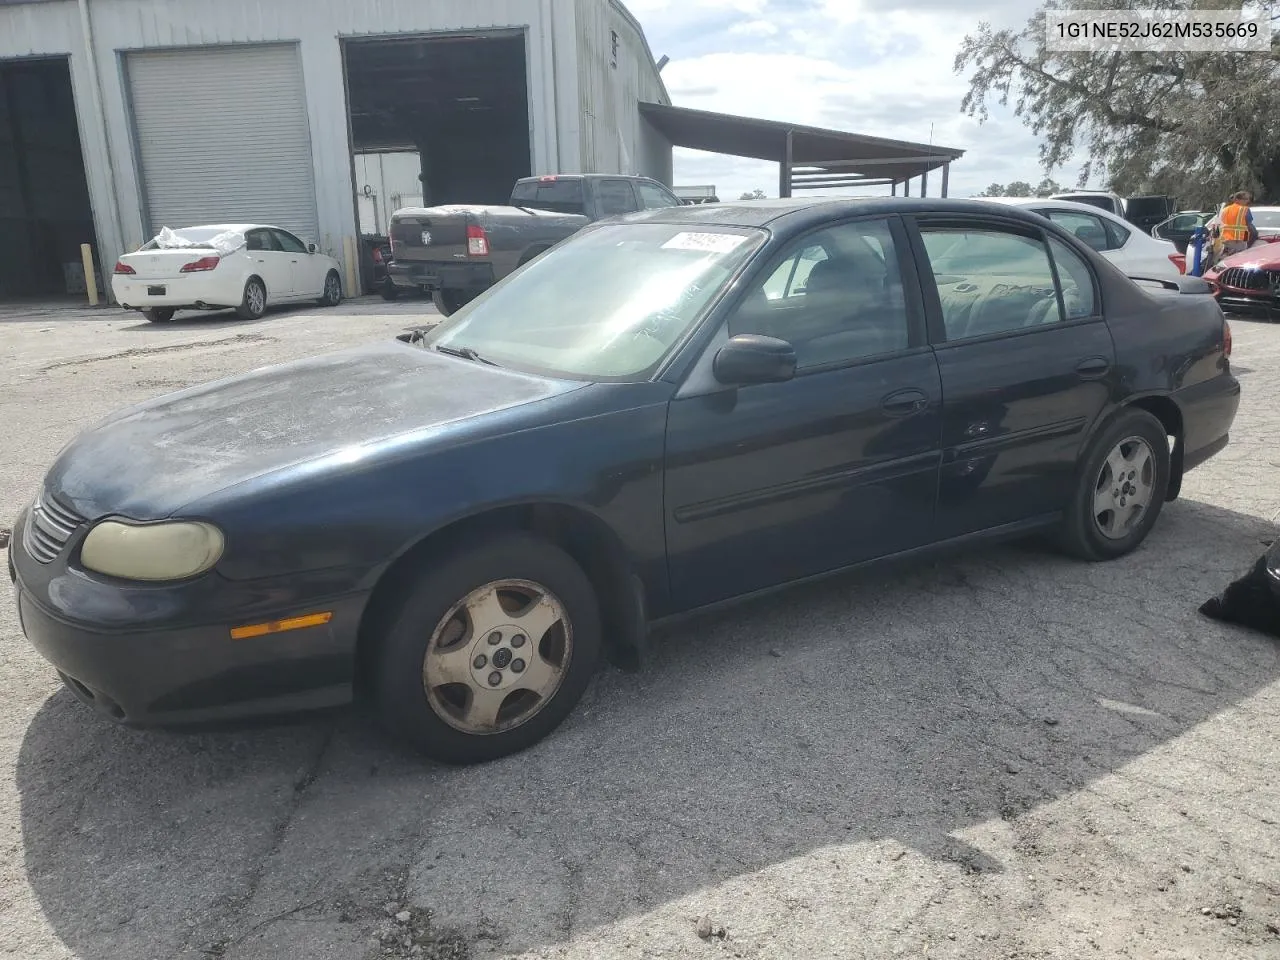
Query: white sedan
(1136, 253)
(221, 266)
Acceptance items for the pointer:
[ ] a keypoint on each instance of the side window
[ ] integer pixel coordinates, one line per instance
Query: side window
(1086, 226)
(256, 240)
(1075, 279)
(990, 280)
(832, 296)
(288, 242)
(614, 197)
(653, 197)
(1116, 234)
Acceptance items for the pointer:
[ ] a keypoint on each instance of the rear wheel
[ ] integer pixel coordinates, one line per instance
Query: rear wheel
(388, 290)
(332, 295)
(254, 303)
(449, 301)
(159, 314)
(490, 651)
(1121, 488)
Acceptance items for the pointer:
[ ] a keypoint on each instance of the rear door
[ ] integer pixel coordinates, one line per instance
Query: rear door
(1026, 361)
(270, 262)
(777, 481)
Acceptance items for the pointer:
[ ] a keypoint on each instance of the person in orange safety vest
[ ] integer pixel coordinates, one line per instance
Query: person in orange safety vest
(1237, 230)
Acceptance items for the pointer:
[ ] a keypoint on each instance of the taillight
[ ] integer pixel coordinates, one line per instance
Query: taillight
(122, 267)
(201, 265)
(1179, 261)
(377, 255)
(1226, 339)
(477, 242)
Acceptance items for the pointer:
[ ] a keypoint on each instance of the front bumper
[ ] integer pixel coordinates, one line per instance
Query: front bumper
(161, 655)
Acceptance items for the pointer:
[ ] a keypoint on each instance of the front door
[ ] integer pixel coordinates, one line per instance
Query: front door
(1026, 362)
(774, 482)
(303, 267)
(271, 263)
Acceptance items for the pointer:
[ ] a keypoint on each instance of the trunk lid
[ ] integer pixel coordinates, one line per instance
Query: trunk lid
(164, 264)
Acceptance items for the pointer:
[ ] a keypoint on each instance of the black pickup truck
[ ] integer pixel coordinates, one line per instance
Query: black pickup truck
(456, 252)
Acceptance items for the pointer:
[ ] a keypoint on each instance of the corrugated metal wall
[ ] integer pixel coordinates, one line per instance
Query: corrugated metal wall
(582, 115)
(615, 70)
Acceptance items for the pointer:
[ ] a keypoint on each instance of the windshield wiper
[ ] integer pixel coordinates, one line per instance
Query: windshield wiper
(466, 353)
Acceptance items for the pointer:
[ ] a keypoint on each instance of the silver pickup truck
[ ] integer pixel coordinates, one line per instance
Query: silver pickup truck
(456, 252)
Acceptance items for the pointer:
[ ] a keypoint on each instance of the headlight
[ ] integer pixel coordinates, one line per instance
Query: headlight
(151, 551)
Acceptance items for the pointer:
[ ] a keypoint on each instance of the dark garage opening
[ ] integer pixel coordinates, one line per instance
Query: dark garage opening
(460, 103)
(44, 197)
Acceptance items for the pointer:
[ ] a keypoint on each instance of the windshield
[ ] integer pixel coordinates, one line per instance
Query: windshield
(608, 304)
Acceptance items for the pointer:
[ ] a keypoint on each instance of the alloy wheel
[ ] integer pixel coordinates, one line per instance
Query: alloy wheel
(497, 657)
(1124, 488)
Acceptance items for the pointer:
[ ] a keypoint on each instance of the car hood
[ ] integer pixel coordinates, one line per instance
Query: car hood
(1264, 257)
(148, 461)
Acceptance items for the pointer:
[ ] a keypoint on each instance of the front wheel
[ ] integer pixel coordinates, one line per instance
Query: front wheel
(254, 303)
(332, 295)
(490, 651)
(158, 314)
(449, 301)
(1120, 489)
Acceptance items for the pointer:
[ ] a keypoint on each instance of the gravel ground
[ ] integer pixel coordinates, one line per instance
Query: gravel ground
(1001, 755)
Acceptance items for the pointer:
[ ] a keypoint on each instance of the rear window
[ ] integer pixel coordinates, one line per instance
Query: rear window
(558, 195)
(1266, 218)
(194, 236)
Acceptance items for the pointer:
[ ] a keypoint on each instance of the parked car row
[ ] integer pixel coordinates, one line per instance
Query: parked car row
(701, 403)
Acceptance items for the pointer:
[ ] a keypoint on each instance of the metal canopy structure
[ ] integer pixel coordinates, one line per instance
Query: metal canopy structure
(808, 158)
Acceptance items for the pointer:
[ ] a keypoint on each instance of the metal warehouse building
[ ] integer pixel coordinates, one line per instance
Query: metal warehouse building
(118, 117)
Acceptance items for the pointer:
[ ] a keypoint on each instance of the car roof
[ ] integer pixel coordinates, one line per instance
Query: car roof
(231, 227)
(1057, 205)
(801, 212)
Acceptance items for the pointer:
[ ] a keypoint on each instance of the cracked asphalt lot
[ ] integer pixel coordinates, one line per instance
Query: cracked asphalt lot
(1004, 754)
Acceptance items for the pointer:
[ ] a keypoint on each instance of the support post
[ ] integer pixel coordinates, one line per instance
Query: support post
(90, 277)
(784, 171)
(946, 176)
(893, 189)
(924, 183)
(350, 249)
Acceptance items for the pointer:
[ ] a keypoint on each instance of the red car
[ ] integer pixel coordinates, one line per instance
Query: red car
(1249, 281)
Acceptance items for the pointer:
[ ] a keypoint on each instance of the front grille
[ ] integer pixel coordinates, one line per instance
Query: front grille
(49, 527)
(1242, 278)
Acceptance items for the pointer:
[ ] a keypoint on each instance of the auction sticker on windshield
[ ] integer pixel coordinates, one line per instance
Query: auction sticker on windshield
(708, 242)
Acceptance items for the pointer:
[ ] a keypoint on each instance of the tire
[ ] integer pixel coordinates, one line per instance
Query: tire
(449, 301)
(388, 290)
(332, 295)
(1102, 524)
(159, 314)
(254, 302)
(443, 718)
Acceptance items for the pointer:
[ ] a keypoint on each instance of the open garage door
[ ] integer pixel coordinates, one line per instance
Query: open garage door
(222, 137)
(44, 198)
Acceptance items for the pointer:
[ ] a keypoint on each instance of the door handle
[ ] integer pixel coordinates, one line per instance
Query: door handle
(1093, 367)
(903, 403)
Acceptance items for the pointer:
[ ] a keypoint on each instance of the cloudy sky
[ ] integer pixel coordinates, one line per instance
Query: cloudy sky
(848, 64)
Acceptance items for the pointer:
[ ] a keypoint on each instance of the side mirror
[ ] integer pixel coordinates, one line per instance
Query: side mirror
(751, 358)
(311, 248)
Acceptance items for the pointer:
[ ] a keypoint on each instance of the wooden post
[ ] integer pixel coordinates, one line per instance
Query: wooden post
(90, 278)
(349, 249)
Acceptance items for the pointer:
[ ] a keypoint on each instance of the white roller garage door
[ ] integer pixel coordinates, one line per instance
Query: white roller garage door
(222, 137)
